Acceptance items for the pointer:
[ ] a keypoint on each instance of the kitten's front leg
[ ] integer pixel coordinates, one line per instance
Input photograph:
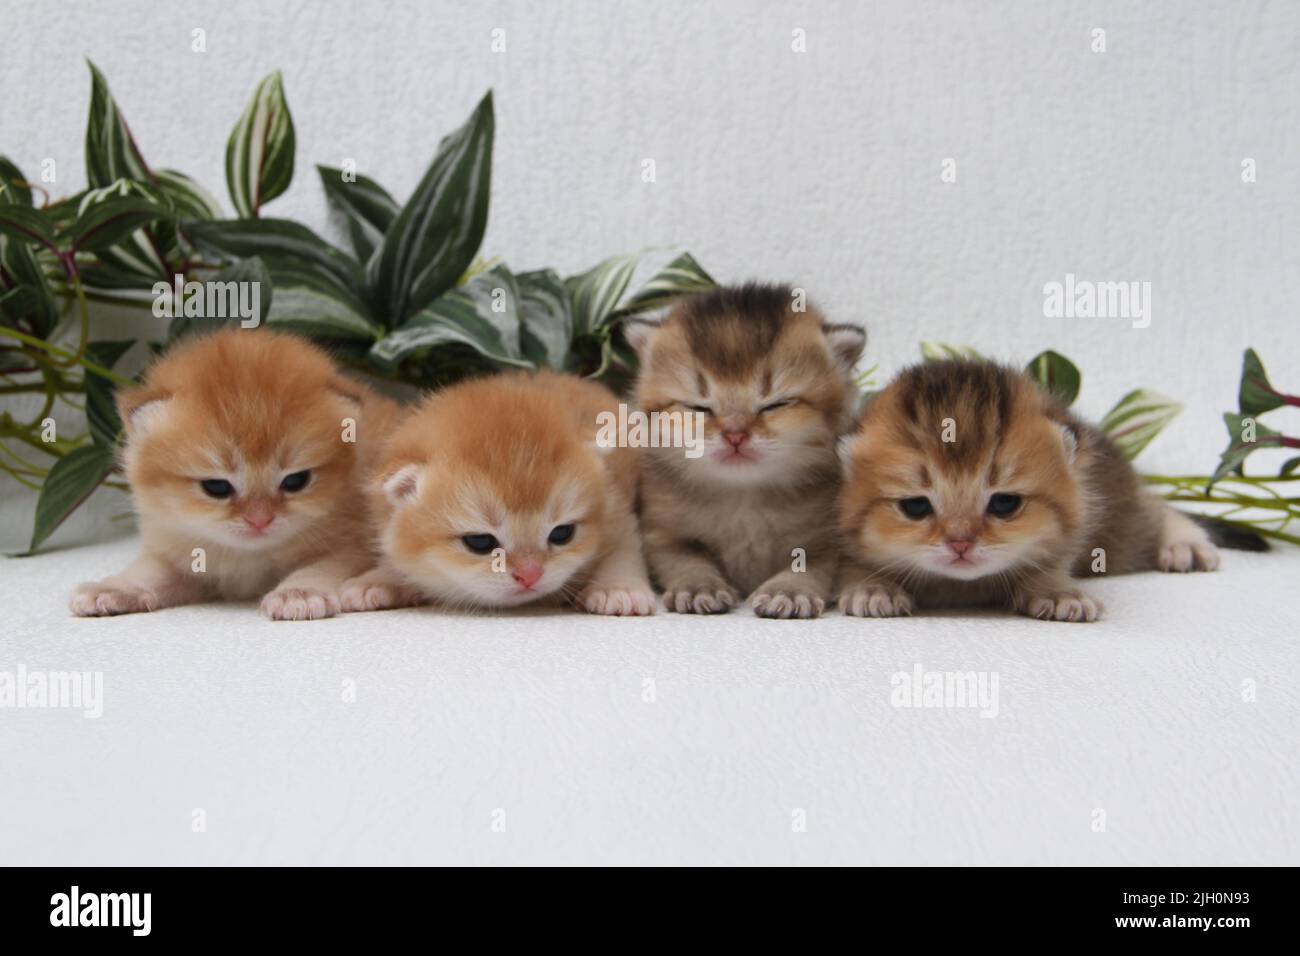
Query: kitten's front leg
(378, 589)
(1054, 597)
(619, 584)
(311, 592)
(148, 584)
(867, 593)
(791, 593)
(691, 582)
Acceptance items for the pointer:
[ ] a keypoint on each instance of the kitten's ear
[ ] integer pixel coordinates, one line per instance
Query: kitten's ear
(1070, 440)
(639, 334)
(847, 343)
(141, 408)
(845, 449)
(346, 388)
(404, 484)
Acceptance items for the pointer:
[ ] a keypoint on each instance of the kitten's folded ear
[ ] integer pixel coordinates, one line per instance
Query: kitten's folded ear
(140, 408)
(639, 334)
(346, 388)
(1070, 440)
(847, 343)
(403, 485)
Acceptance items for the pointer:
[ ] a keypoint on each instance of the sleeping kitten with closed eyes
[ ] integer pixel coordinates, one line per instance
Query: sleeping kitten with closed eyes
(494, 494)
(967, 483)
(243, 451)
(753, 515)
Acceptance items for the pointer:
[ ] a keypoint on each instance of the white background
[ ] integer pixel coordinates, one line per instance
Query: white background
(821, 168)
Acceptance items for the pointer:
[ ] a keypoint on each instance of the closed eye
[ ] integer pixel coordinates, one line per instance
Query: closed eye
(696, 408)
(780, 403)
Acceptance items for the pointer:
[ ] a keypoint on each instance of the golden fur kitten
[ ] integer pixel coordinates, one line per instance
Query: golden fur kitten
(243, 452)
(752, 515)
(967, 483)
(495, 494)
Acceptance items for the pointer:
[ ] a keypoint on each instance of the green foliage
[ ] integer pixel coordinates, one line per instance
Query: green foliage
(408, 302)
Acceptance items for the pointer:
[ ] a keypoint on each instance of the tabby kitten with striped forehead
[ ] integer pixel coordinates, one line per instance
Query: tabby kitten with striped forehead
(753, 514)
(967, 483)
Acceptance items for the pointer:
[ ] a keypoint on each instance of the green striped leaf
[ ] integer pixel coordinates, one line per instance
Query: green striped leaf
(1137, 418)
(13, 184)
(597, 292)
(940, 351)
(465, 316)
(111, 153)
(435, 236)
(1245, 435)
(280, 243)
(242, 271)
(71, 481)
(1257, 395)
(26, 224)
(111, 222)
(38, 309)
(365, 205)
(186, 198)
(101, 411)
(682, 276)
(259, 154)
(547, 316)
(306, 303)
(1057, 374)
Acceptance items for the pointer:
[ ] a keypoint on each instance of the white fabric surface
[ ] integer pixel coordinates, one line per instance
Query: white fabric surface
(541, 715)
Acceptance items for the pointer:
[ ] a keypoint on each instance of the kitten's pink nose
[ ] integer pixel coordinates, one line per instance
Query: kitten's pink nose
(736, 438)
(960, 546)
(258, 520)
(527, 573)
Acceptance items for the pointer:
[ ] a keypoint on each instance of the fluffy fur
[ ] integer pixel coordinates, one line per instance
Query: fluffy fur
(1079, 507)
(754, 514)
(502, 463)
(248, 408)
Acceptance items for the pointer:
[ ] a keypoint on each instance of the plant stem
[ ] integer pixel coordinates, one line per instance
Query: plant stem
(65, 354)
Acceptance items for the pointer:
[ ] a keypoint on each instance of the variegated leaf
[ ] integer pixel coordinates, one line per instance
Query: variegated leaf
(71, 480)
(1056, 374)
(260, 152)
(1137, 418)
(111, 153)
(435, 236)
(102, 222)
(547, 315)
(682, 276)
(366, 206)
(938, 351)
(597, 292)
(39, 310)
(280, 243)
(13, 184)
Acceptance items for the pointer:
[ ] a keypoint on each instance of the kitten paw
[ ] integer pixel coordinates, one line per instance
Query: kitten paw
(875, 600)
(96, 600)
(1192, 555)
(299, 604)
(1066, 606)
(787, 604)
(373, 594)
(619, 601)
(712, 599)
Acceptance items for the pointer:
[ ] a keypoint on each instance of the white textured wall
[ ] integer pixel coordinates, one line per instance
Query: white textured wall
(821, 167)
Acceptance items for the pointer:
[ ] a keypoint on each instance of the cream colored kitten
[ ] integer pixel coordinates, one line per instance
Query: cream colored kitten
(244, 452)
(753, 515)
(494, 494)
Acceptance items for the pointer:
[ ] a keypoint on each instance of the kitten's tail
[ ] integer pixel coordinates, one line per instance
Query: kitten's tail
(1227, 535)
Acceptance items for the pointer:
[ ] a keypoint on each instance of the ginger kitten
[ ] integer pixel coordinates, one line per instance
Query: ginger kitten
(753, 515)
(494, 494)
(243, 451)
(969, 484)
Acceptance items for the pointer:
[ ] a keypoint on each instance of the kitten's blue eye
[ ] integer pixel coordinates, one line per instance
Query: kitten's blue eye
(217, 487)
(916, 508)
(295, 482)
(1003, 506)
(561, 534)
(480, 543)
